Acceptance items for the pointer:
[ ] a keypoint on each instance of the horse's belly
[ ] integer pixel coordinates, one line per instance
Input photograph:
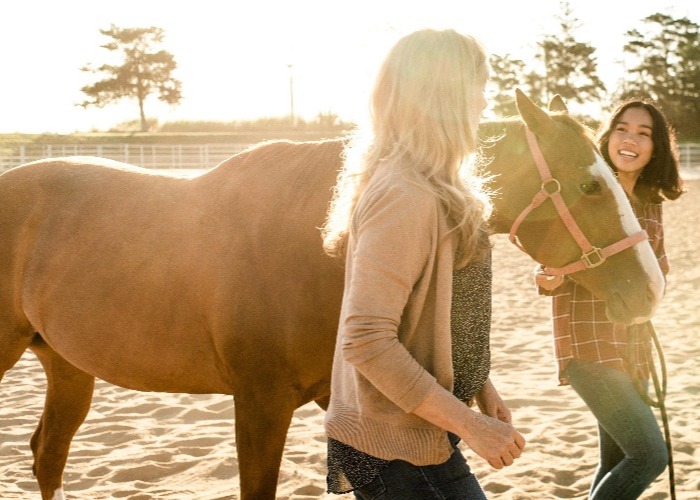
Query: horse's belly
(142, 359)
(138, 322)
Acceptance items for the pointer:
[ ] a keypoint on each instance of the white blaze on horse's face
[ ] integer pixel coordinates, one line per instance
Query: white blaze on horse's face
(630, 225)
(58, 495)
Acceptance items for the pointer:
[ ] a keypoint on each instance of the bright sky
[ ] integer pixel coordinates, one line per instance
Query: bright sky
(233, 57)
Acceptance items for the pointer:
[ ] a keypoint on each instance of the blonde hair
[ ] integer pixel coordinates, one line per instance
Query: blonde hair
(424, 121)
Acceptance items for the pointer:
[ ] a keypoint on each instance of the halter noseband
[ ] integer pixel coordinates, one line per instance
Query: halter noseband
(592, 256)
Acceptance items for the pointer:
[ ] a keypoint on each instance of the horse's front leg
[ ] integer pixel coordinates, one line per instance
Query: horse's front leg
(68, 397)
(262, 420)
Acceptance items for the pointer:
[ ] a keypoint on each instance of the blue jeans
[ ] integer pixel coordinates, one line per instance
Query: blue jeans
(632, 449)
(452, 480)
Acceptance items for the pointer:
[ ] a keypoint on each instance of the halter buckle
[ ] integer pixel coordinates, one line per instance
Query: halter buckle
(593, 258)
(556, 187)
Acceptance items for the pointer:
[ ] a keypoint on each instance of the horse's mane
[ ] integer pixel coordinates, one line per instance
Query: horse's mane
(285, 154)
(493, 134)
(287, 150)
(495, 128)
(492, 129)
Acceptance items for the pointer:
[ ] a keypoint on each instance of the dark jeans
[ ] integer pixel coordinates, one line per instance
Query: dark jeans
(400, 480)
(632, 449)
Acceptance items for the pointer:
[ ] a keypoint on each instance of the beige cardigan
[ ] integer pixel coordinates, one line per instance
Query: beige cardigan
(394, 339)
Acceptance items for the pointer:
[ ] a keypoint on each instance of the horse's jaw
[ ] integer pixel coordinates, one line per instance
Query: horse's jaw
(633, 294)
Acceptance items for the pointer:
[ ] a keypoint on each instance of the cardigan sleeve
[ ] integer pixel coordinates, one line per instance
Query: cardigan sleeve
(395, 240)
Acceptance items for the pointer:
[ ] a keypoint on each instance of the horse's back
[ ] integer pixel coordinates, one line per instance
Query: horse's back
(64, 188)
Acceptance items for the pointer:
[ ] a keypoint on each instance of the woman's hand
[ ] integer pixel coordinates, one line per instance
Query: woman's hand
(491, 404)
(494, 440)
(547, 281)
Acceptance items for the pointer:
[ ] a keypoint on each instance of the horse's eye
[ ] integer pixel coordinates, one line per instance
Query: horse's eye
(591, 187)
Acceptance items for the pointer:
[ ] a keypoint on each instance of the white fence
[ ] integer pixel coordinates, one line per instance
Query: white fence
(690, 157)
(157, 156)
(189, 156)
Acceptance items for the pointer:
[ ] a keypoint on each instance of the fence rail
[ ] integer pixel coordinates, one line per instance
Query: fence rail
(156, 156)
(690, 156)
(188, 156)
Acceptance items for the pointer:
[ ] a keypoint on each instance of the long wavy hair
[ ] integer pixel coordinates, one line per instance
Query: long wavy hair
(425, 113)
(660, 179)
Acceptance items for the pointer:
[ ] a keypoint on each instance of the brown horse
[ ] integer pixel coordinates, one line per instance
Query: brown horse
(218, 283)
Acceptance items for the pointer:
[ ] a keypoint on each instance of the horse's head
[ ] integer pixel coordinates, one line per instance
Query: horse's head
(593, 234)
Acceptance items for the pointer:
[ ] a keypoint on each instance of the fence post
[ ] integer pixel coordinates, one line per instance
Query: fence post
(684, 154)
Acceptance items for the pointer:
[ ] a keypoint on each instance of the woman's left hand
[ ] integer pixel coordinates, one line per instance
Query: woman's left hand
(546, 281)
(491, 404)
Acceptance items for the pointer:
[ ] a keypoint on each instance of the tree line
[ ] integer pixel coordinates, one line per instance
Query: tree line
(661, 61)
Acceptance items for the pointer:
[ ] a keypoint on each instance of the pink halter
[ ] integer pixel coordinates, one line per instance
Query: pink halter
(592, 256)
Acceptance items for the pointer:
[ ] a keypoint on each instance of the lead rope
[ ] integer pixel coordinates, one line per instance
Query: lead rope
(660, 403)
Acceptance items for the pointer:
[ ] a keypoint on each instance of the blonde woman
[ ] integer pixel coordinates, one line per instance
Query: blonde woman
(406, 217)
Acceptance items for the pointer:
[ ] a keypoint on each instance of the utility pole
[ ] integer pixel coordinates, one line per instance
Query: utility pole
(292, 116)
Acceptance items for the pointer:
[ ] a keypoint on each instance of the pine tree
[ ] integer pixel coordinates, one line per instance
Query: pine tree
(666, 68)
(144, 71)
(570, 66)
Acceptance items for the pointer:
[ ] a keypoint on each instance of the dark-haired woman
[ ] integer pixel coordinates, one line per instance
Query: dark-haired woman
(602, 361)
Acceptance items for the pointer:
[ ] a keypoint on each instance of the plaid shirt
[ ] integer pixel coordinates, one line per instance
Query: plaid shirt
(582, 329)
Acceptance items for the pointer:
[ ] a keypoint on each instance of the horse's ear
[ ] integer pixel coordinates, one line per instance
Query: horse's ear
(536, 119)
(558, 104)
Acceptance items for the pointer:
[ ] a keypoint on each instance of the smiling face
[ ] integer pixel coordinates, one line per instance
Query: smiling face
(630, 145)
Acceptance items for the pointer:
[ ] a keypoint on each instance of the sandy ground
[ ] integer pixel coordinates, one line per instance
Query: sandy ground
(147, 445)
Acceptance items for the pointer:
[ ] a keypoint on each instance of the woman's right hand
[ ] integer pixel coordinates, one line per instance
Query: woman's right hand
(495, 441)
